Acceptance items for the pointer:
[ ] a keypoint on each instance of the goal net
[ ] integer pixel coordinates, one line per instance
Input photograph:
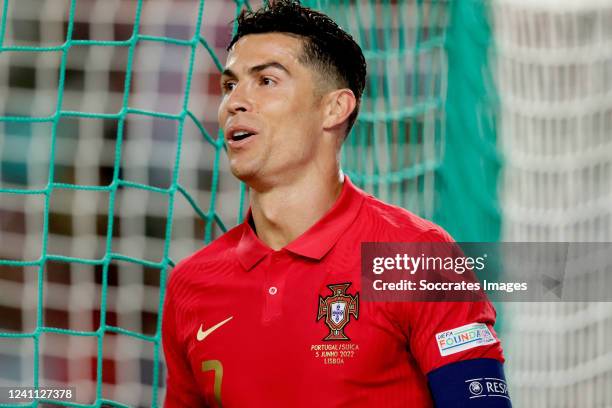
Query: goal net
(105, 105)
(554, 63)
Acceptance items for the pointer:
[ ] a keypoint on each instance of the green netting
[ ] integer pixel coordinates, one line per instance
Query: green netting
(210, 216)
(394, 149)
(409, 146)
(425, 138)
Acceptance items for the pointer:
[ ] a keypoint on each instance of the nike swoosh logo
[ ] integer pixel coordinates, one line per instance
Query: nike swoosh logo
(203, 334)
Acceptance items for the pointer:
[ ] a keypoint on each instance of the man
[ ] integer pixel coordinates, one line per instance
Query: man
(247, 319)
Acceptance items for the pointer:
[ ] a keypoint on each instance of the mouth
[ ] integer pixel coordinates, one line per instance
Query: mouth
(239, 135)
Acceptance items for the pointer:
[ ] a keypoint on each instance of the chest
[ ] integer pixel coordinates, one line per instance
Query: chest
(285, 327)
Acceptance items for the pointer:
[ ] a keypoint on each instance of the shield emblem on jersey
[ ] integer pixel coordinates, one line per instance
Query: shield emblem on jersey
(338, 312)
(337, 309)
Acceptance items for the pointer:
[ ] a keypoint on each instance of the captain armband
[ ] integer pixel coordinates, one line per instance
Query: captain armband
(470, 384)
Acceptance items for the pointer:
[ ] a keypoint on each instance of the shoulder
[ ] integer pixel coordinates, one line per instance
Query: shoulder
(220, 253)
(219, 249)
(398, 223)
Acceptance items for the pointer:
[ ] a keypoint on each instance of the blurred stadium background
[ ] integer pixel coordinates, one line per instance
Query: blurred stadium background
(492, 117)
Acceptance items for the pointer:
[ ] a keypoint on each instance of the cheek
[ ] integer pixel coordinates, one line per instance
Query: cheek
(221, 113)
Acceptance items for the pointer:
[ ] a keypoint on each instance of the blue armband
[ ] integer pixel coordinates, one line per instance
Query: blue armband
(470, 384)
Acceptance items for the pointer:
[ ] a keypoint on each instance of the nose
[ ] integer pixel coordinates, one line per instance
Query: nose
(238, 100)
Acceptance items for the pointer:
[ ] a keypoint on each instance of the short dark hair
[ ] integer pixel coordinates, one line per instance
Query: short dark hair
(326, 46)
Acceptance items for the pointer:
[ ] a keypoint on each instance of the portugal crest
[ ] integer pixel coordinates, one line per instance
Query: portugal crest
(337, 308)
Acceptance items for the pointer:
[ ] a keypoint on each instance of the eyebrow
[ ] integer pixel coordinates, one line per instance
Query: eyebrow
(258, 68)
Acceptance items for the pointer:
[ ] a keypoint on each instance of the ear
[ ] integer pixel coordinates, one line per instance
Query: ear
(339, 104)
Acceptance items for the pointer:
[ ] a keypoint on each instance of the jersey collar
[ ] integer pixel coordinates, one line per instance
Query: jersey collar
(317, 240)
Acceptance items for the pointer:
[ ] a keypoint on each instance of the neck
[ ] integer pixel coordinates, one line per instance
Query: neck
(284, 212)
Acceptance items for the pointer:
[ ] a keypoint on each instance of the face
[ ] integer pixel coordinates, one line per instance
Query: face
(271, 114)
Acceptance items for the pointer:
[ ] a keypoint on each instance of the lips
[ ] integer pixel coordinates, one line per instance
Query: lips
(241, 135)
(237, 135)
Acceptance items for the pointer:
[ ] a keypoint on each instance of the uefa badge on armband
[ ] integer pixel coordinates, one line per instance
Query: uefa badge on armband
(337, 309)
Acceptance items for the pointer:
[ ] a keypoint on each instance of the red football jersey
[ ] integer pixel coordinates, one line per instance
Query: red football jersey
(247, 326)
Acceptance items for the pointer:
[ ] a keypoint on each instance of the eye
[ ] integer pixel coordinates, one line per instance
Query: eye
(267, 81)
(228, 86)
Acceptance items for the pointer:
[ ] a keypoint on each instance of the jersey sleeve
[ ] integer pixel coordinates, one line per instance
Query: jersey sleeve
(442, 333)
(181, 387)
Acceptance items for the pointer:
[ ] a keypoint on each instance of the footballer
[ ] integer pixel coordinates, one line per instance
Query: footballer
(270, 314)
